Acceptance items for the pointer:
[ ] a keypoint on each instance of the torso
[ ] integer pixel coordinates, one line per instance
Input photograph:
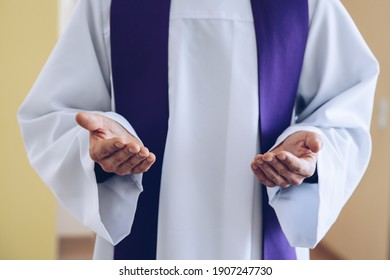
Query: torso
(209, 202)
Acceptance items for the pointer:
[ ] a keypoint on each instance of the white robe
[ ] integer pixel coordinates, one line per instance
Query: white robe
(210, 199)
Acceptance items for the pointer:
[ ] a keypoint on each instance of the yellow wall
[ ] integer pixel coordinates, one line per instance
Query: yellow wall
(27, 209)
(363, 229)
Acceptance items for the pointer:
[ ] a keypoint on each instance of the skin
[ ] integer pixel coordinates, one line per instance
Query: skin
(291, 162)
(112, 147)
(117, 151)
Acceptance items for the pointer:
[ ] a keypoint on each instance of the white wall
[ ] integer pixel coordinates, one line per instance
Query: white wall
(65, 8)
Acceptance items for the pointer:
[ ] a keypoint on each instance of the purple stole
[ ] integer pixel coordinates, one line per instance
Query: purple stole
(139, 50)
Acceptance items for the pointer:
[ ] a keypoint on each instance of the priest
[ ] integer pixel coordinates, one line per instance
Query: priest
(204, 129)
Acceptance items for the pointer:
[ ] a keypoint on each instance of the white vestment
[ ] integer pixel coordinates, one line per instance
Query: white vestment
(210, 199)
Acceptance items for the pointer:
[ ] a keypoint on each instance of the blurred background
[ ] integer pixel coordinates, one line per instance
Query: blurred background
(33, 226)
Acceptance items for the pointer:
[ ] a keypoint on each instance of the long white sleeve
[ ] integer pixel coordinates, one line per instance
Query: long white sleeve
(336, 100)
(77, 78)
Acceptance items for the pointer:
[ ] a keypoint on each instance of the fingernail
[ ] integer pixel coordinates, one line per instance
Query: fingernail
(268, 159)
(133, 150)
(142, 154)
(119, 145)
(259, 161)
(254, 166)
(281, 157)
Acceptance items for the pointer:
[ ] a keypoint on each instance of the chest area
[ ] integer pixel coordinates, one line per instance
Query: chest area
(240, 10)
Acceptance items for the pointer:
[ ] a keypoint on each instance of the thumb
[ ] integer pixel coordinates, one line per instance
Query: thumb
(89, 121)
(313, 142)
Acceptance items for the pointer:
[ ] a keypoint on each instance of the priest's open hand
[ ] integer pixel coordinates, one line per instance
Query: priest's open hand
(113, 147)
(291, 162)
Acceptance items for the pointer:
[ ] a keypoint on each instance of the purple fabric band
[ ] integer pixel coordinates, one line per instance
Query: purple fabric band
(139, 51)
(281, 32)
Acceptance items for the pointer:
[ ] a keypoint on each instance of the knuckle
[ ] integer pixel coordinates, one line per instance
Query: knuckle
(283, 171)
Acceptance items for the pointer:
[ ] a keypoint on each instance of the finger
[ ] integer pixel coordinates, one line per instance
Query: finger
(128, 165)
(116, 161)
(296, 165)
(143, 153)
(89, 121)
(271, 173)
(100, 149)
(258, 157)
(290, 177)
(261, 176)
(281, 168)
(314, 142)
(145, 165)
(134, 147)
